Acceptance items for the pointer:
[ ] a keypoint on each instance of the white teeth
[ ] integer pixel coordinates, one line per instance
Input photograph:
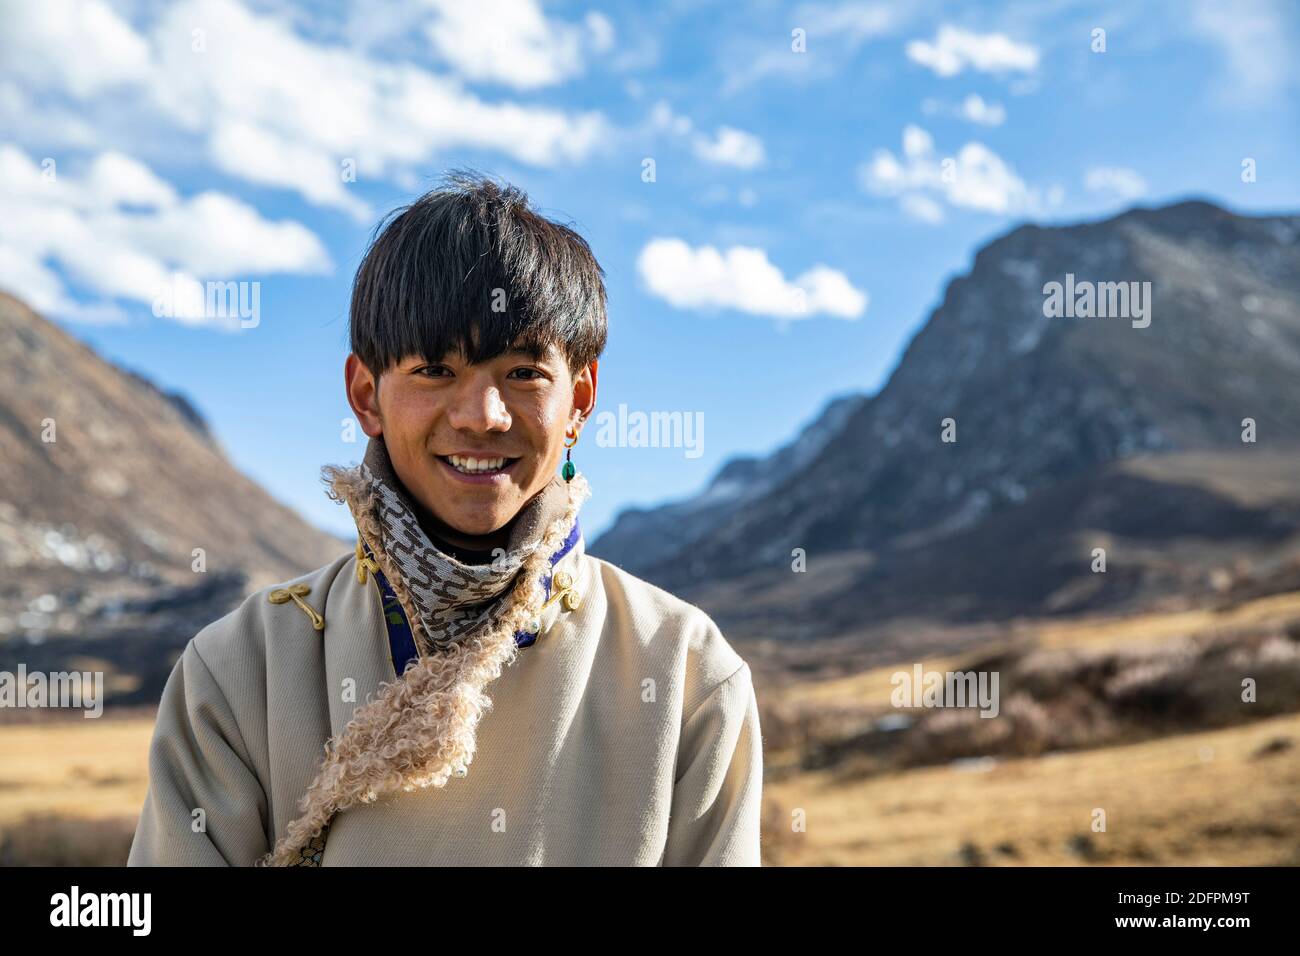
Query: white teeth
(474, 465)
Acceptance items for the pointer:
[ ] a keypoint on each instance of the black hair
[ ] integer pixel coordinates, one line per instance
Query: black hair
(471, 266)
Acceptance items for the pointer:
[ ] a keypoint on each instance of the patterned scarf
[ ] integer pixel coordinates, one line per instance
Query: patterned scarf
(420, 730)
(444, 598)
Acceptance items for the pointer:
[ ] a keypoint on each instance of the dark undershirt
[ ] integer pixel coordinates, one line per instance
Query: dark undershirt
(463, 555)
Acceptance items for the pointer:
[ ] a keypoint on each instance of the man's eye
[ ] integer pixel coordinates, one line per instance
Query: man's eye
(532, 373)
(433, 371)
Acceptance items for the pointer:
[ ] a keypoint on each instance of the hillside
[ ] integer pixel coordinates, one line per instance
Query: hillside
(107, 487)
(896, 522)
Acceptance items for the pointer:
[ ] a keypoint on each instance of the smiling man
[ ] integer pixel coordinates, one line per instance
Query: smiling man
(468, 687)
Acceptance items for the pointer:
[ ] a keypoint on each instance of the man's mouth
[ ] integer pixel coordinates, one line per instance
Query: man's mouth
(485, 467)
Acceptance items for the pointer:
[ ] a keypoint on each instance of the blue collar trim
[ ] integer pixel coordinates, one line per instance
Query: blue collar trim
(401, 640)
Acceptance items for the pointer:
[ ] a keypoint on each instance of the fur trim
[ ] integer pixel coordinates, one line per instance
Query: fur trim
(420, 730)
(349, 486)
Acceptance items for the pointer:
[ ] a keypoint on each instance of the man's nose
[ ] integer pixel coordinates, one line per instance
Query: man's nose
(478, 407)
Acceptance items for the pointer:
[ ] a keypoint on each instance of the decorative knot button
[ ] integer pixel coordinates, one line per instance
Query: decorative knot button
(365, 563)
(296, 593)
(564, 592)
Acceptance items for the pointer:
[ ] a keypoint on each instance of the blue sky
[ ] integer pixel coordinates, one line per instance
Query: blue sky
(806, 210)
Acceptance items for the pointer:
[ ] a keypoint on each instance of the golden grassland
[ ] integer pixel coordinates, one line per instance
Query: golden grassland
(1198, 799)
(871, 689)
(1218, 798)
(74, 767)
(1228, 796)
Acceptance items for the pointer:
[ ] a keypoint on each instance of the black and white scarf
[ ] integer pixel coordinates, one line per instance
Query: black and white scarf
(445, 599)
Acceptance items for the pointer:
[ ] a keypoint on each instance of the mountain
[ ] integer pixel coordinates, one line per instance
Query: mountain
(108, 485)
(659, 534)
(1058, 421)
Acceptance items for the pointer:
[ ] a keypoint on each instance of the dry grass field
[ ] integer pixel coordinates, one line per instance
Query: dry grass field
(89, 768)
(1223, 798)
(1209, 795)
(71, 789)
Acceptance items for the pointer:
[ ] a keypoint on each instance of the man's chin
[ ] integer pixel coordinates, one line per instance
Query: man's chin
(478, 522)
(476, 514)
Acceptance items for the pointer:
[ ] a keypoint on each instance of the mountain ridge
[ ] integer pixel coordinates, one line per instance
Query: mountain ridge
(115, 492)
(1034, 400)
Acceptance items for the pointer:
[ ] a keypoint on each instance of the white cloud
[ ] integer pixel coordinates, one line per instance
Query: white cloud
(96, 49)
(513, 42)
(922, 207)
(833, 33)
(600, 32)
(853, 22)
(1117, 181)
(730, 147)
(124, 233)
(742, 278)
(763, 63)
(917, 143)
(974, 178)
(954, 50)
(662, 117)
(974, 109)
(1257, 42)
(42, 289)
(271, 157)
(274, 108)
(116, 180)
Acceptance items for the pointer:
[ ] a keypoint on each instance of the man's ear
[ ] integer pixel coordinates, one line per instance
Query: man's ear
(363, 395)
(584, 392)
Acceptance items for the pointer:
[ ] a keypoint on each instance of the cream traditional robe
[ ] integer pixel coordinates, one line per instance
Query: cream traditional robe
(627, 734)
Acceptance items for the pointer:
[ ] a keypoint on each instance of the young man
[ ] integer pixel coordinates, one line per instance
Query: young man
(333, 720)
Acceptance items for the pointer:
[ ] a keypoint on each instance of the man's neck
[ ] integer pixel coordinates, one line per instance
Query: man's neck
(436, 528)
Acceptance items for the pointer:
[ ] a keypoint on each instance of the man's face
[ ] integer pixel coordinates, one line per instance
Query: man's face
(473, 443)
